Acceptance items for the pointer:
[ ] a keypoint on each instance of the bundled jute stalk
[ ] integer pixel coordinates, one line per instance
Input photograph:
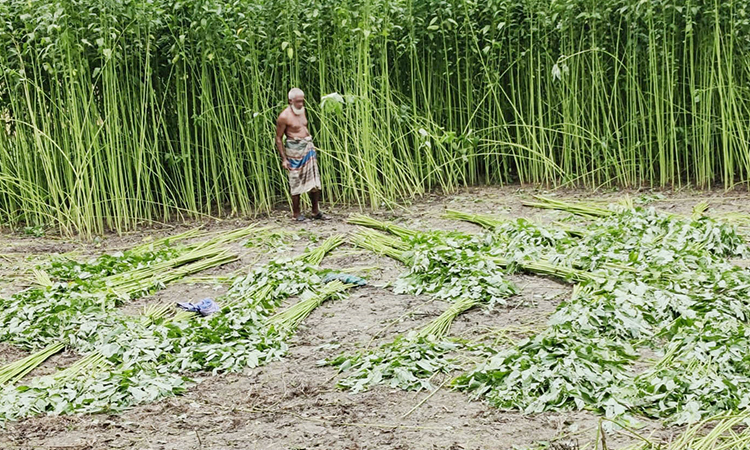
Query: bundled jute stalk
(208, 279)
(225, 237)
(578, 208)
(379, 238)
(42, 278)
(366, 221)
(15, 371)
(381, 244)
(315, 256)
(491, 223)
(440, 326)
(165, 272)
(166, 241)
(699, 209)
(198, 257)
(88, 365)
(552, 270)
(310, 256)
(545, 268)
(290, 318)
(156, 311)
(483, 220)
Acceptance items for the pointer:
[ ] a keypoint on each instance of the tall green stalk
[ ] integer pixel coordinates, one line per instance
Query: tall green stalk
(114, 114)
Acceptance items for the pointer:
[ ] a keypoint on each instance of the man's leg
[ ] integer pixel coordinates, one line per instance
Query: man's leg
(295, 206)
(316, 213)
(314, 197)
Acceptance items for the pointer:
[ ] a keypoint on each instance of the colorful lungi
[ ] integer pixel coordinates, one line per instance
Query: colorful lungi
(304, 175)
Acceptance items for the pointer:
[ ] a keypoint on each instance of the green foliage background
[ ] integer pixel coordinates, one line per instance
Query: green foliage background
(120, 111)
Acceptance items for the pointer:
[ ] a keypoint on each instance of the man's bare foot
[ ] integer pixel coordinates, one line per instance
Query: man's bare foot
(300, 218)
(320, 216)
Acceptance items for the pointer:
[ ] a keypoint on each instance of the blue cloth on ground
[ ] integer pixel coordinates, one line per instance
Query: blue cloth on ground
(205, 307)
(345, 278)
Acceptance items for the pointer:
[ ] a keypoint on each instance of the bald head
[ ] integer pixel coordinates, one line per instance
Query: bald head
(295, 93)
(297, 101)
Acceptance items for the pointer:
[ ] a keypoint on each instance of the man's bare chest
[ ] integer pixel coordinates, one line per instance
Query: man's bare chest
(298, 123)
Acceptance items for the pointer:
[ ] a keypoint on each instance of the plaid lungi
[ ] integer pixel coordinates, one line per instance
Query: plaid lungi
(304, 175)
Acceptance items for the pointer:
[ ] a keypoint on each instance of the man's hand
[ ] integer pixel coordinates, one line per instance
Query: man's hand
(285, 164)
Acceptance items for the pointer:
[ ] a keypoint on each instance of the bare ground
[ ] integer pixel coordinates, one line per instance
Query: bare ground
(294, 403)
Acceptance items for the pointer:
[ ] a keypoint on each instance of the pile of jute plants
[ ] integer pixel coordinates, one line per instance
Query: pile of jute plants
(454, 267)
(644, 283)
(117, 112)
(448, 267)
(130, 359)
(656, 325)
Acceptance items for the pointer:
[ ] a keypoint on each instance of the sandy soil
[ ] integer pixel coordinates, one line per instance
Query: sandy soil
(294, 403)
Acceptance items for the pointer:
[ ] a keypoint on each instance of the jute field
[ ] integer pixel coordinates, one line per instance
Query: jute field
(539, 233)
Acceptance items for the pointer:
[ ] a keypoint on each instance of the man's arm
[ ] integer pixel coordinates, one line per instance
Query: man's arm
(280, 129)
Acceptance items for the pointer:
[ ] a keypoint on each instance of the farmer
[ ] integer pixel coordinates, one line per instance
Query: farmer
(298, 155)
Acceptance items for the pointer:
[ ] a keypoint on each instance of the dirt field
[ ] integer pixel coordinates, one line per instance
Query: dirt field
(294, 403)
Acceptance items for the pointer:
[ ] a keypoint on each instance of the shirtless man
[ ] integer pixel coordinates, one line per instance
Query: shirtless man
(298, 155)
